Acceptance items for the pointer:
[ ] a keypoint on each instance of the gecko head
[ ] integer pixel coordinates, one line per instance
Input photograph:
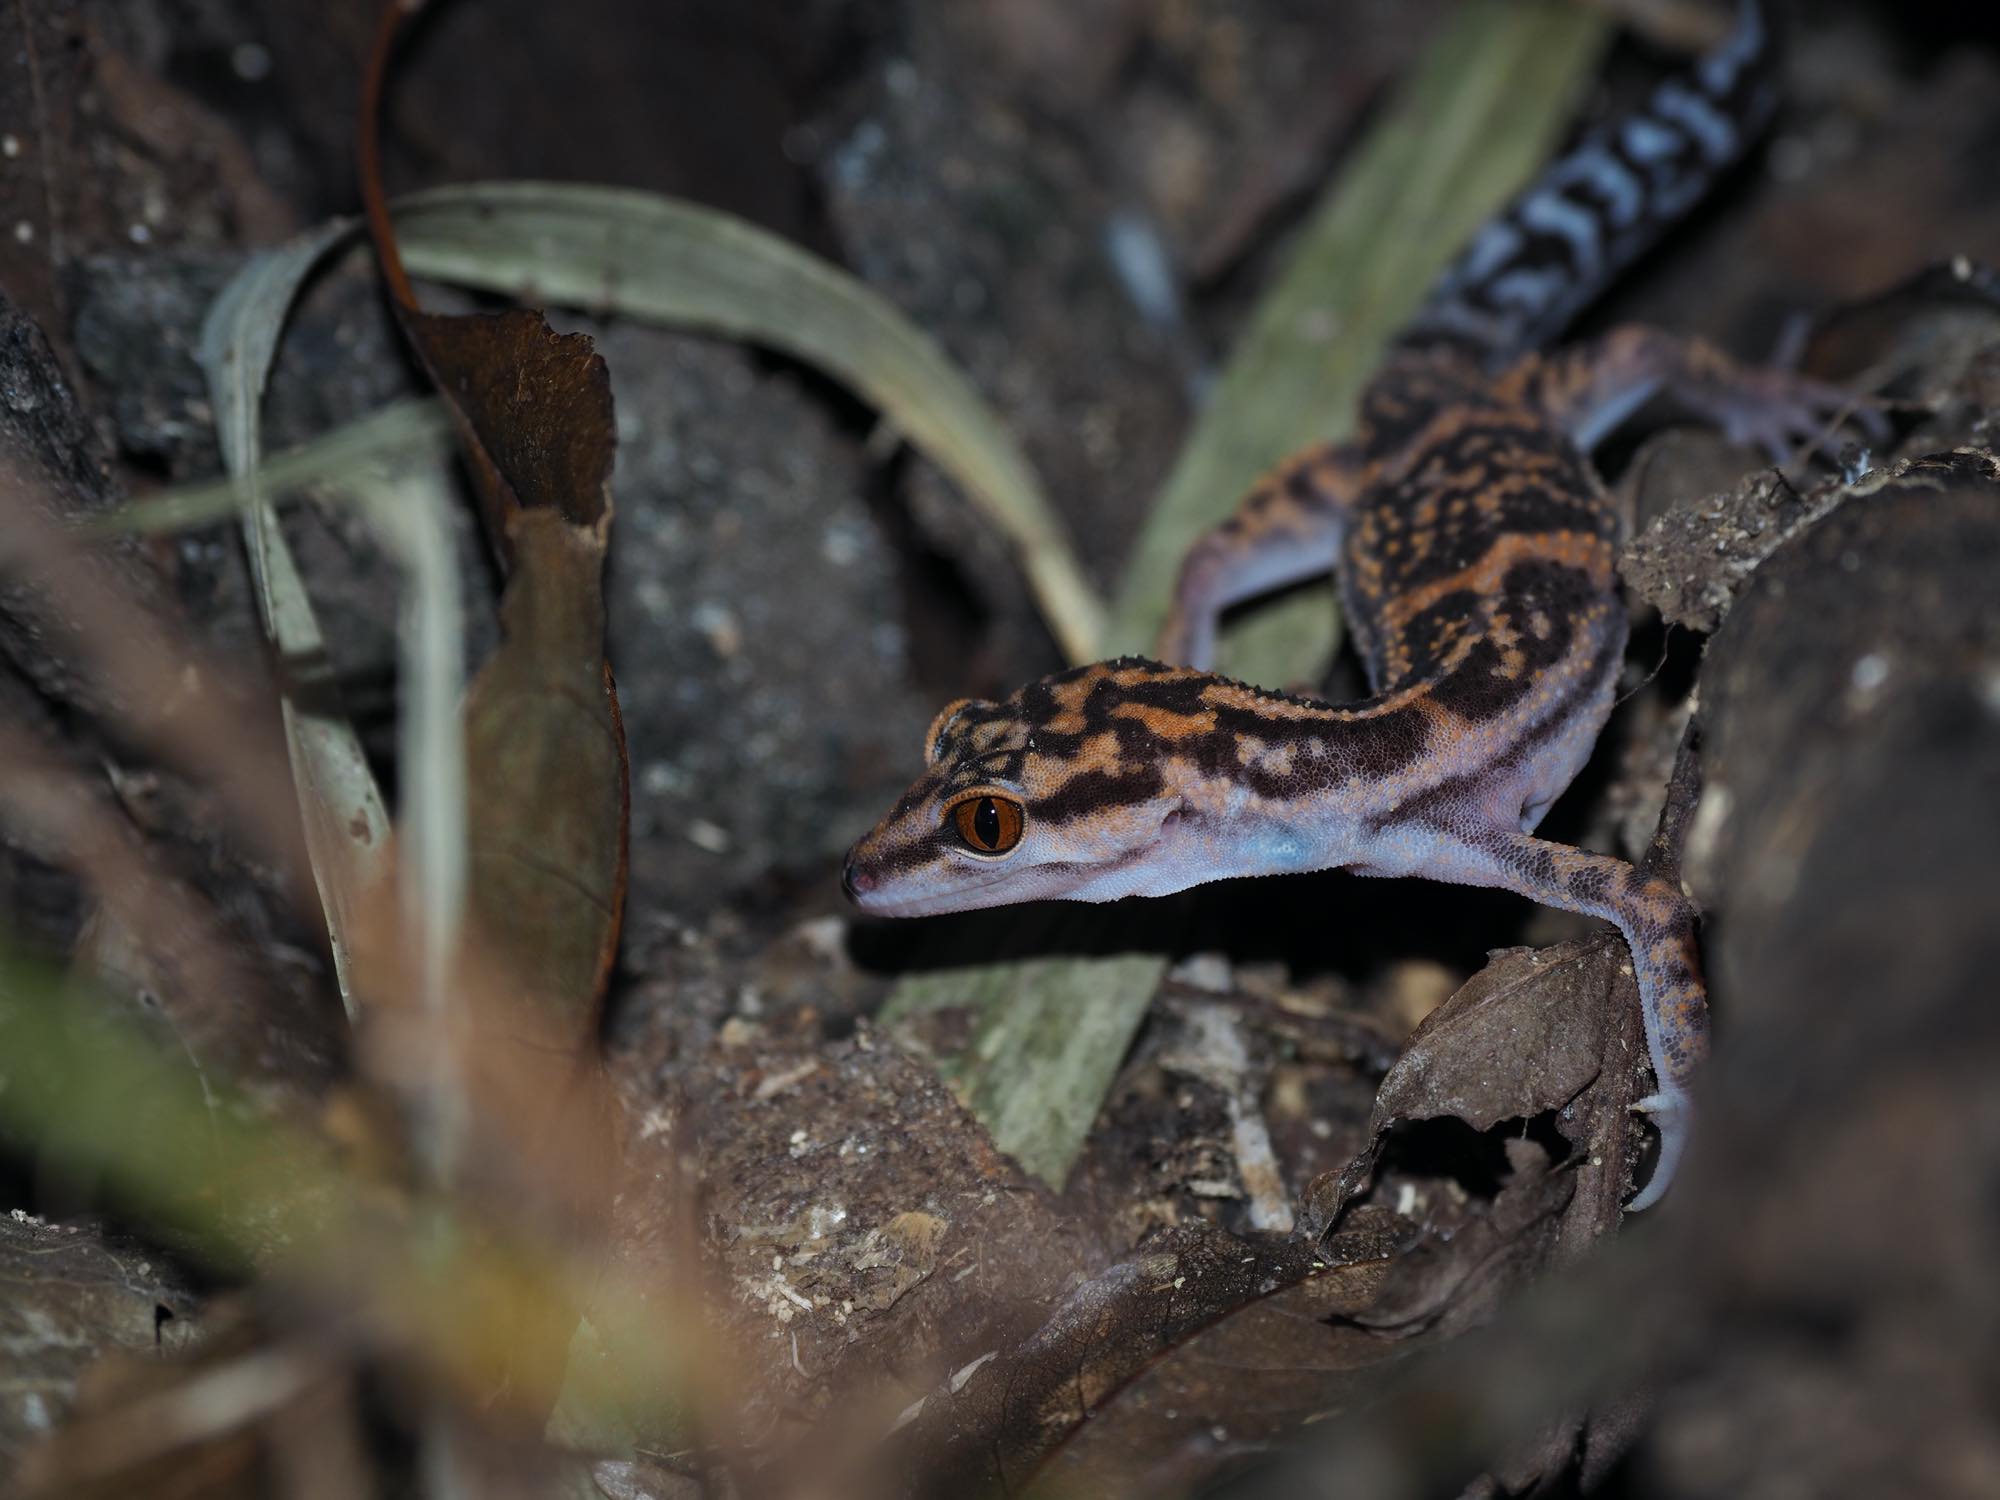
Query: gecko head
(1051, 794)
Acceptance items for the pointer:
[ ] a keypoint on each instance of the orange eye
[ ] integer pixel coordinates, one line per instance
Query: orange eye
(989, 825)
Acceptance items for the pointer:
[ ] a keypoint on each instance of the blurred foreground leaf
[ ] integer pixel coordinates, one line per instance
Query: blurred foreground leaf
(424, 1280)
(381, 440)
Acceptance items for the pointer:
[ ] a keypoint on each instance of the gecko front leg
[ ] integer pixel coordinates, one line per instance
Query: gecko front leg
(1658, 923)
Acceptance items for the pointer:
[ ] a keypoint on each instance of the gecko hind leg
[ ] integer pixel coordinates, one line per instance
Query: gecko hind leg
(1590, 388)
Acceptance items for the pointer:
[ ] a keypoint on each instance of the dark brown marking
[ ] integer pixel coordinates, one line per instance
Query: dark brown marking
(1590, 885)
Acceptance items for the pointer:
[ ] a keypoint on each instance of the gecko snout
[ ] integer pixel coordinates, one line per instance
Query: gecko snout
(856, 883)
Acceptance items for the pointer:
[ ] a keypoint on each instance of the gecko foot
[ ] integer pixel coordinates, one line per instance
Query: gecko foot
(1785, 414)
(1672, 1113)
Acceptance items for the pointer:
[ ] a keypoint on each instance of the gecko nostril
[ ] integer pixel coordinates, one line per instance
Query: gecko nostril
(853, 881)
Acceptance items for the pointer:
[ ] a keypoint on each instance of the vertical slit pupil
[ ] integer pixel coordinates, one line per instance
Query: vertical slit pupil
(986, 823)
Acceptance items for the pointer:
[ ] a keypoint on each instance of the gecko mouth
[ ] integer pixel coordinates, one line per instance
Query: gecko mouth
(963, 897)
(1056, 881)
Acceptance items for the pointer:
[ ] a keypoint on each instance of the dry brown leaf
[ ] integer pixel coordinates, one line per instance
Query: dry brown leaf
(1261, 1336)
(1535, 1033)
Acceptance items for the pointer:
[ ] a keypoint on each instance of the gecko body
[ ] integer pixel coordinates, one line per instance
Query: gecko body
(1475, 548)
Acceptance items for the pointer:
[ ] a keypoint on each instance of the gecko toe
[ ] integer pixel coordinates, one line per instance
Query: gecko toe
(1672, 1114)
(1787, 415)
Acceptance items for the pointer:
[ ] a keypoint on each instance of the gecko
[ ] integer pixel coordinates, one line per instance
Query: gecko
(1474, 546)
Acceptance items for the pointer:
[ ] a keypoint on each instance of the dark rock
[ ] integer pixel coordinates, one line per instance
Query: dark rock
(754, 623)
(72, 1299)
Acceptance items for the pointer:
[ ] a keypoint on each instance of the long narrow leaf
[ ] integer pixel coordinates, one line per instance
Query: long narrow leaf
(341, 807)
(686, 266)
(346, 823)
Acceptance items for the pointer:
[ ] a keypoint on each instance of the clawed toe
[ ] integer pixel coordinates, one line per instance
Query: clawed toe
(1785, 414)
(1671, 1113)
(1870, 415)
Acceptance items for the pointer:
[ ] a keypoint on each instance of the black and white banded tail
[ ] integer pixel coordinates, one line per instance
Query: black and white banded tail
(1593, 211)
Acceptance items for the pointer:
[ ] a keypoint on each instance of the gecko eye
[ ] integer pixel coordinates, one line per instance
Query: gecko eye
(989, 825)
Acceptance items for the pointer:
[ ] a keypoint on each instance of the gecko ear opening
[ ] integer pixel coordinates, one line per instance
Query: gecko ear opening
(947, 716)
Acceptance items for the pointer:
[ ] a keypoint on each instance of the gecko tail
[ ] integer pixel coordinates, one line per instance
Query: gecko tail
(1597, 208)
